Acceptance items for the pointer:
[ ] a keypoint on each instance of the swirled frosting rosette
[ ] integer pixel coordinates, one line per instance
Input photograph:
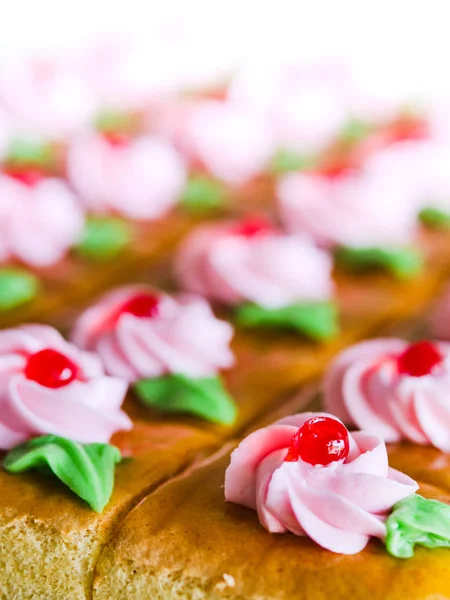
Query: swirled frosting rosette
(57, 403)
(138, 177)
(421, 166)
(308, 475)
(40, 218)
(170, 348)
(397, 390)
(271, 279)
(304, 105)
(48, 386)
(46, 96)
(369, 219)
(232, 143)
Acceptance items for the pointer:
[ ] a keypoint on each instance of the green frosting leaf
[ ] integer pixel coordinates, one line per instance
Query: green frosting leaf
(203, 193)
(114, 120)
(433, 217)
(104, 238)
(86, 469)
(285, 161)
(17, 287)
(354, 131)
(415, 520)
(205, 398)
(317, 320)
(30, 152)
(401, 262)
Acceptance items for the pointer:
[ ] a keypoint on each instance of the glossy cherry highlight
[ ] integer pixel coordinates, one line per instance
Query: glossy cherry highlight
(143, 305)
(252, 227)
(117, 139)
(319, 441)
(419, 359)
(51, 369)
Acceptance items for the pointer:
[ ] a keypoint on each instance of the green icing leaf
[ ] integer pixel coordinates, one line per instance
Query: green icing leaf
(285, 161)
(354, 131)
(416, 520)
(30, 152)
(203, 193)
(104, 238)
(433, 217)
(205, 398)
(86, 469)
(317, 320)
(17, 287)
(401, 262)
(114, 120)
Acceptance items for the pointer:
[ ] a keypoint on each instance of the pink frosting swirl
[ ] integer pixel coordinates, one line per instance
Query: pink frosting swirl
(339, 506)
(365, 386)
(142, 179)
(305, 105)
(88, 409)
(182, 336)
(421, 167)
(353, 210)
(46, 96)
(39, 222)
(231, 141)
(220, 262)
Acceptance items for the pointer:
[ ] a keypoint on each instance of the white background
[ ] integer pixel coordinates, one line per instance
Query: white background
(391, 42)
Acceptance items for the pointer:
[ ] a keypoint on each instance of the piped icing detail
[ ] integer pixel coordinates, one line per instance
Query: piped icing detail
(170, 348)
(355, 209)
(86, 469)
(339, 505)
(45, 96)
(37, 210)
(139, 333)
(140, 179)
(48, 386)
(397, 390)
(234, 263)
(232, 142)
(17, 287)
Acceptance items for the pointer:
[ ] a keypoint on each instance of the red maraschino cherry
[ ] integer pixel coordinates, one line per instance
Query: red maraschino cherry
(419, 359)
(142, 305)
(29, 176)
(408, 127)
(319, 441)
(117, 139)
(252, 227)
(51, 369)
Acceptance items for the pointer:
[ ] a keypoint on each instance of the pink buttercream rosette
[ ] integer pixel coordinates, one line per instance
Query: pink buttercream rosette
(233, 142)
(142, 179)
(183, 337)
(365, 387)
(421, 167)
(306, 106)
(339, 506)
(46, 96)
(270, 269)
(357, 209)
(38, 223)
(88, 409)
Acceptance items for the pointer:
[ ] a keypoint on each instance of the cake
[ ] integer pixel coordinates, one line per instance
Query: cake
(207, 282)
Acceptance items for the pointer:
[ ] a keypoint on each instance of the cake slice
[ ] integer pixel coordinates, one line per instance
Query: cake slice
(184, 541)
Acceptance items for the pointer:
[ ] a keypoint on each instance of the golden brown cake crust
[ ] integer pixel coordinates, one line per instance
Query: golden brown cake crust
(185, 542)
(49, 539)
